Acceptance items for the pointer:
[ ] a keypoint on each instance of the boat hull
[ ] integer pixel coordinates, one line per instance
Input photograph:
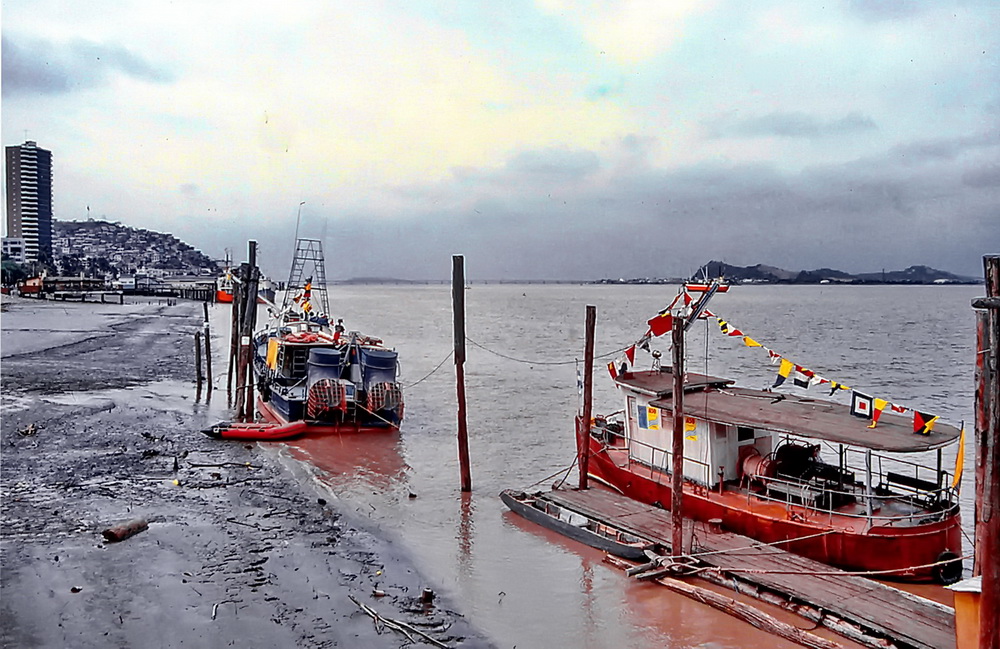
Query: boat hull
(893, 552)
(516, 502)
(270, 413)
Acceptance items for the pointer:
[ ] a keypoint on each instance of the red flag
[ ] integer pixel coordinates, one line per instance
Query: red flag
(923, 423)
(660, 324)
(630, 355)
(612, 370)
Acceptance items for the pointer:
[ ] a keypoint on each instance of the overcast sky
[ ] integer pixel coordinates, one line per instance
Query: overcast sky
(554, 139)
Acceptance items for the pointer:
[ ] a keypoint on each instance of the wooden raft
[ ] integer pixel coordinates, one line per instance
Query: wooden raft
(903, 618)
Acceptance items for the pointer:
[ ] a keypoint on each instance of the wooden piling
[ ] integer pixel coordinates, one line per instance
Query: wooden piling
(252, 278)
(240, 394)
(988, 452)
(583, 425)
(981, 423)
(208, 349)
(197, 359)
(677, 470)
(234, 339)
(458, 307)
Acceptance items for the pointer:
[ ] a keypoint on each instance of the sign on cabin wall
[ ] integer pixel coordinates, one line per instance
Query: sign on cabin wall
(651, 441)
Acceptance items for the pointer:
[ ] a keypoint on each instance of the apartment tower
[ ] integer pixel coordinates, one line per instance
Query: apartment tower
(29, 199)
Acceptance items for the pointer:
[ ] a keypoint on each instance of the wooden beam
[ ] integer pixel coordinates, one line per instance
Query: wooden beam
(988, 508)
(583, 425)
(458, 307)
(749, 614)
(677, 471)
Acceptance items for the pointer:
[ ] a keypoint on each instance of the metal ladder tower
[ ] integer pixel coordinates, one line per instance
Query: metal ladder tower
(308, 264)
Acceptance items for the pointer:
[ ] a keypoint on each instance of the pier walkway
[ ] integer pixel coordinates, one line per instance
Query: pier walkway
(846, 603)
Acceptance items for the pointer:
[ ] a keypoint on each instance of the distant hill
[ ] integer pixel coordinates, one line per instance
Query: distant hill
(99, 247)
(761, 274)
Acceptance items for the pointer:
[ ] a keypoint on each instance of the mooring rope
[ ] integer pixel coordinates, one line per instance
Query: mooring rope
(428, 375)
(562, 480)
(528, 362)
(758, 545)
(842, 573)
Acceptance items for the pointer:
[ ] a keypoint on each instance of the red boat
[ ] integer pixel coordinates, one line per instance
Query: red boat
(702, 287)
(811, 476)
(224, 288)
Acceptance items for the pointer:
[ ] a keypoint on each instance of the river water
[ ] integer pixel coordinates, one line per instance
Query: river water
(525, 587)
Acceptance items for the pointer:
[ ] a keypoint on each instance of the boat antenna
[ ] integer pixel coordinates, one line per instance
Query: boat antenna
(297, 216)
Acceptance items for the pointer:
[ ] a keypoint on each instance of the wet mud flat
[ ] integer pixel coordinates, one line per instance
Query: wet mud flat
(99, 426)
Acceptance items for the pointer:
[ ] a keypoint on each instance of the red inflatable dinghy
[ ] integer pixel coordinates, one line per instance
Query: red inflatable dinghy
(256, 431)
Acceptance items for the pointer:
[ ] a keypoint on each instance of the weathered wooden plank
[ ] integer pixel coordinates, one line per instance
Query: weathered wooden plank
(911, 620)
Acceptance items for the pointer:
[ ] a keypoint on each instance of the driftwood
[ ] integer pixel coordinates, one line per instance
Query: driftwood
(125, 530)
(749, 614)
(396, 625)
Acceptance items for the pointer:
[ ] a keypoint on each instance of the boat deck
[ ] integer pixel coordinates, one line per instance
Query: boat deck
(878, 609)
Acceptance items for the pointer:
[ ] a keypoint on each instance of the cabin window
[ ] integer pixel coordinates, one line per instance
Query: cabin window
(744, 434)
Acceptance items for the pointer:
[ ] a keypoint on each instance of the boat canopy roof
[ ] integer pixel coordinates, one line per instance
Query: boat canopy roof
(811, 418)
(661, 383)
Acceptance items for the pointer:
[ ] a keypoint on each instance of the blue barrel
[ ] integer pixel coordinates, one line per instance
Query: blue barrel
(378, 366)
(324, 364)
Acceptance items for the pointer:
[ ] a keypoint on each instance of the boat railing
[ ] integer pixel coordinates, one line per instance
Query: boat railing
(879, 507)
(912, 477)
(646, 455)
(895, 498)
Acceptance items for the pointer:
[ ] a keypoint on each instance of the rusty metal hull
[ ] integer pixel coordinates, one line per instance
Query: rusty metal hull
(900, 553)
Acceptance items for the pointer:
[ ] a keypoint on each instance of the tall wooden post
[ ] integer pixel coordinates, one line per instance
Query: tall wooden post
(208, 348)
(234, 343)
(197, 359)
(248, 313)
(981, 424)
(251, 280)
(458, 305)
(583, 424)
(988, 451)
(677, 470)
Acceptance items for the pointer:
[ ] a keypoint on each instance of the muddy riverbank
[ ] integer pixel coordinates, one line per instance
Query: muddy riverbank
(100, 426)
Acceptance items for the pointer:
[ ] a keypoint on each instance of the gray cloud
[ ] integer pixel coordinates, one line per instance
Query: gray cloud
(577, 215)
(986, 176)
(42, 67)
(793, 125)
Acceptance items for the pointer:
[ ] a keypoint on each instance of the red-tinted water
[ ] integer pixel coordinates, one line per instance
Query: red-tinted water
(526, 586)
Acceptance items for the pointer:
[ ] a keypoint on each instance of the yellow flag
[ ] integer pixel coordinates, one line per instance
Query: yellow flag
(272, 353)
(959, 460)
(750, 342)
(878, 406)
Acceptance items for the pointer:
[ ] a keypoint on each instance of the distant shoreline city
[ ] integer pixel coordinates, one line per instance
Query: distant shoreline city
(37, 244)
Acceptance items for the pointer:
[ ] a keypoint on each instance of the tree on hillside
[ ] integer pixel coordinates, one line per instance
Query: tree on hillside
(13, 272)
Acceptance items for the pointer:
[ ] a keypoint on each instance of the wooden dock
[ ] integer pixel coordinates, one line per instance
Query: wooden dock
(859, 608)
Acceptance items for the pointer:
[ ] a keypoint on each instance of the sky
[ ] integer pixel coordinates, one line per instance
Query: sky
(545, 139)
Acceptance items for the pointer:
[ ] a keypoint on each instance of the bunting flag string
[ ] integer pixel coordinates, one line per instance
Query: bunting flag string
(862, 405)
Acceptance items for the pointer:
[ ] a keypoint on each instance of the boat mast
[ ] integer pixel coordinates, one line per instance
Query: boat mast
(308, 267)
(677, 472)
(681, 324)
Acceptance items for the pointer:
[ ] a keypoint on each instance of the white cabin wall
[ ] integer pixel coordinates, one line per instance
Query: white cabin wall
(651, 444)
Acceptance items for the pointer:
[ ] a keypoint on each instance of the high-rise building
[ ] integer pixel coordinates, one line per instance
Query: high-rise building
(29, 199)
